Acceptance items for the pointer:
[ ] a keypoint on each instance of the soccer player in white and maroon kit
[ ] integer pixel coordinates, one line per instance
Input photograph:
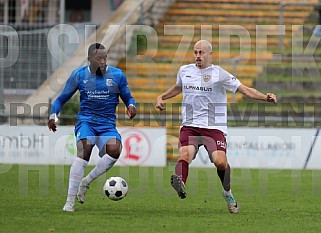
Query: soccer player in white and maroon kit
(204, 116)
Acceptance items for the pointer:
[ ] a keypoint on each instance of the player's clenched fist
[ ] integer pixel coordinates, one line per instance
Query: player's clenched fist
(160, 104)
(52, 125)
(271, 98)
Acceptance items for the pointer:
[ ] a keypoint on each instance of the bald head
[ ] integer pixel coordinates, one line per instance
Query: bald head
(203, 44)
(203, 54)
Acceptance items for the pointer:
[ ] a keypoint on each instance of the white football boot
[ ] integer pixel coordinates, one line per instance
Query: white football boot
(81, 194)
(69, 207)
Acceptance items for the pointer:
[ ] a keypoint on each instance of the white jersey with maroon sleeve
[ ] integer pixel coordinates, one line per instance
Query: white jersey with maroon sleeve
(204, 102)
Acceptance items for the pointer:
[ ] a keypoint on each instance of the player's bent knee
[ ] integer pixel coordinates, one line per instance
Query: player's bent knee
(115, 156)
(219, 159)
(184, 155)
(220, 165)
(84, 148)
(113, 152)
(113, 148)
(187, 153)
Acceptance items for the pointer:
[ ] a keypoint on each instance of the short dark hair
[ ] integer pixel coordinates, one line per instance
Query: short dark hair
(94, 46)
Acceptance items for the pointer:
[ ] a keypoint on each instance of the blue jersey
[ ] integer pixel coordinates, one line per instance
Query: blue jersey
(99, 95)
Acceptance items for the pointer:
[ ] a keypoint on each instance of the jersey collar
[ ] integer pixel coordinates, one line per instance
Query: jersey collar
(94, 74)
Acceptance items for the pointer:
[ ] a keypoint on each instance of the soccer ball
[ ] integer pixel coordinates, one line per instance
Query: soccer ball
(115, 188)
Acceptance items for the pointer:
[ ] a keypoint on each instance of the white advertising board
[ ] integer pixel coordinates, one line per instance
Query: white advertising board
(36, 145)
(274, 148)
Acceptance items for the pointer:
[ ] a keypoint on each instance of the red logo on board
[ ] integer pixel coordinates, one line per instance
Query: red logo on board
(136, 147)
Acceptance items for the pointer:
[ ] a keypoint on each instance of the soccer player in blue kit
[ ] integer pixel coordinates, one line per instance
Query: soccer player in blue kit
(100, 86)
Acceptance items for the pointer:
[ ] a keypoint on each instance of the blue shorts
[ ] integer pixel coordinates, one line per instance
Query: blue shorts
(98, 135)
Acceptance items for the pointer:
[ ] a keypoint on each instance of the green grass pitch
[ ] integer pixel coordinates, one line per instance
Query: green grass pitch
(282, 201)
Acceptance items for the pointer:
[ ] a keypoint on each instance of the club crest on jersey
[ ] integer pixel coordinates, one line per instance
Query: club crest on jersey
(207, 77)
(109, 82)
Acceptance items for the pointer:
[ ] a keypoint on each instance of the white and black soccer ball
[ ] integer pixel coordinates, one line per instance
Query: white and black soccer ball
(116, 188)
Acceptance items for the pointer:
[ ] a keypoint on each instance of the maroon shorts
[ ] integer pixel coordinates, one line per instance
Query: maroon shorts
(212, 139)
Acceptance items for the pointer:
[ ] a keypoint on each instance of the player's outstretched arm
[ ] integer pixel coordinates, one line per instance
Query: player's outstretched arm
(170, 93)
(69, 89)
(255, 94)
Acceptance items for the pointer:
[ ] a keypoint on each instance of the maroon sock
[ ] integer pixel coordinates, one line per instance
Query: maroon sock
(181, 169)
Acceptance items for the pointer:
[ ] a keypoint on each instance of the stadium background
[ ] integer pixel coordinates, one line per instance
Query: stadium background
(248, 38)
